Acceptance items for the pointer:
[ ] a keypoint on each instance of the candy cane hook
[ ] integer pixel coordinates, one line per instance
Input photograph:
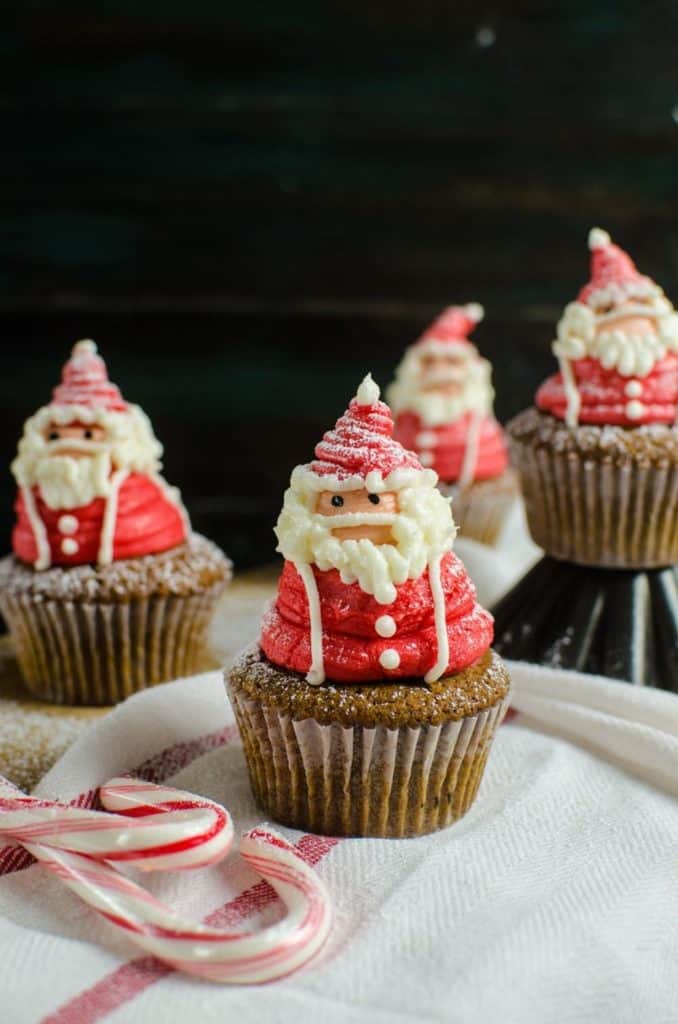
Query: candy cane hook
(158, 828)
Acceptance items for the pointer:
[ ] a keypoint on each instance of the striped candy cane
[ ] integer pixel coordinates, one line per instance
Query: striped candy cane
(158, 828)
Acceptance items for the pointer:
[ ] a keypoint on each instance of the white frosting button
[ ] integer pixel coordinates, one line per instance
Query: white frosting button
(426, 458)
(634, 409)
(427, 439)
(633, 389)
(389, 659)
(69, 546)
(385, 626)
(67, 524)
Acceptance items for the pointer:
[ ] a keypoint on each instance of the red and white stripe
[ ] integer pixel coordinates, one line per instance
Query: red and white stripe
(81, 848)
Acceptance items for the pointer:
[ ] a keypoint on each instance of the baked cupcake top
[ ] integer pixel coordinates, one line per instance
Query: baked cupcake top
(442, 400)
(88, 475)
(371, 589)
(617, 347)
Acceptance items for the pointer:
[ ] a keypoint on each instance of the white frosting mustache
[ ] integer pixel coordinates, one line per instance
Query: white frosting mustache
(432, 377)
(76, 444)
(357, 519)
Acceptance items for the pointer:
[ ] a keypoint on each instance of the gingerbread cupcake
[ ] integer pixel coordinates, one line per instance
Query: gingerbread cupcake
(442, 401)
(598, 456)
(108, 590)
(370, 703)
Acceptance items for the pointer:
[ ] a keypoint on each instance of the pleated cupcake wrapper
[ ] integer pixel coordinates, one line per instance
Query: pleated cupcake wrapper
(597, 513)
(87, 653)
(480, 512)
(363, 781)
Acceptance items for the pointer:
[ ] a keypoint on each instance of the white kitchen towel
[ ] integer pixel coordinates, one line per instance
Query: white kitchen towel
(554, 900)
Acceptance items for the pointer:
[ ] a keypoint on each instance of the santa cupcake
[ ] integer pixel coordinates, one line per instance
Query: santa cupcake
(108, 590)
(442, 400)
(369, 705)
(598, 456)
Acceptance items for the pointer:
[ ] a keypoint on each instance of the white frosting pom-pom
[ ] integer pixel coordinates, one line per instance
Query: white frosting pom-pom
(598, 239)
(368, 392)
(84, 347)
(475, 311)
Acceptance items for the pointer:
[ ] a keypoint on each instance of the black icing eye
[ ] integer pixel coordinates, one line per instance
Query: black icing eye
(374, 498)
(87, 434)
(53, 435)
(337, 500)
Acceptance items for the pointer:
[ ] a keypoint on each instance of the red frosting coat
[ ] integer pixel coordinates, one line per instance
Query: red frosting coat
(351, 645)
(604, 398)
(450, 446)
(147, 522)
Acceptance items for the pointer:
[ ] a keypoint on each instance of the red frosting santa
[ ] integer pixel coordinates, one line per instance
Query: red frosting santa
(370, 588)
(442, 400)
(88, 471)
(617, 347)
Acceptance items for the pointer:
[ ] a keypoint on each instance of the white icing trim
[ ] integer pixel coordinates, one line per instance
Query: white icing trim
(304, 479)
(572, 396)
(69, 546)
(442, 639)
(44, 559)
(356, 519)
(435, 345)
(105, 553)
(468, 466)
(316, 673)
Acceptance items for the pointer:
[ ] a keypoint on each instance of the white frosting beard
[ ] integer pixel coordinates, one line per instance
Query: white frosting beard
(582, 333)
(66, 482)
(422, 529)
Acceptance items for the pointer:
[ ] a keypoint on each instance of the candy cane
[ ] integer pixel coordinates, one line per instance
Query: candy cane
(184, 832)
(80, 848)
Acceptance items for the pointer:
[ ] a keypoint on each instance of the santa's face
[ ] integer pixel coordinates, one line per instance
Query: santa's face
(366, 510)
(74, 439)
(442, 383)
(445, 372)
(70, 453)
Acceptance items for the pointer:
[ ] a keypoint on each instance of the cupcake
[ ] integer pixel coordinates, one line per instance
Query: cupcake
(598, 456)
(442, 402)
(108, 591)
(369, 706)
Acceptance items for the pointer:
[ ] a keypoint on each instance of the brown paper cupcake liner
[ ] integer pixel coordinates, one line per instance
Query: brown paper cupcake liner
(94, 653)
(482, 510)
(600, 510)
(360, 781)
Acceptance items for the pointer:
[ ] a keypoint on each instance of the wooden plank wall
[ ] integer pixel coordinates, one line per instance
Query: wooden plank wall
(247, 205)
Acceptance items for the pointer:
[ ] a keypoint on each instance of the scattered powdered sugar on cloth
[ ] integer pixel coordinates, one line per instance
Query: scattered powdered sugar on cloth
(31, 741)
(34, 735)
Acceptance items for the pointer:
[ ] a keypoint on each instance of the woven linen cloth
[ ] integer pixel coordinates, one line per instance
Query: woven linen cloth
(554, 900)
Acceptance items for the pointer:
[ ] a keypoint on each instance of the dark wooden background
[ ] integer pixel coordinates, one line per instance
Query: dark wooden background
(248, 205)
